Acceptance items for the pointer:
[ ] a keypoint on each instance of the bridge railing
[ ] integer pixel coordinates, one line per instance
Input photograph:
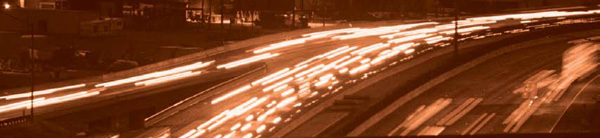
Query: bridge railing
(15, 121)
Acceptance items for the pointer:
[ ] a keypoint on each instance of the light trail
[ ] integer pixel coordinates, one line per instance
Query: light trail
(327, 33)
(344, 64)
(269, 77)
(409, 33)
(370, 49)
(467, 30)
(385, 56)
(380, 30)
(281, 45)
(41, 92)
(309, 70)
(436, 39)
(231, 94)
(194, 66)
(360, 68)
(408, 38)
(247, 60)
(65, 98)
(286, 102)
(166, 79)
(18, 105)
(283, 75)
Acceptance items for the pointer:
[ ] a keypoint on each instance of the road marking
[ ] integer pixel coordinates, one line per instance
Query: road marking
(426, 115)
(423, 131)
(431, 131)
(526, 116)
(464, 112)
(514, 113)
(412, 115)
(472, 125)
(572, 101)
(522, 113)
(421, 114)
(455, 111)
(482, 123)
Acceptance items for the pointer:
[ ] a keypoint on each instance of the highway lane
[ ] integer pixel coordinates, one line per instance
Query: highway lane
(201, 112)
(212, 126)
(492, 81)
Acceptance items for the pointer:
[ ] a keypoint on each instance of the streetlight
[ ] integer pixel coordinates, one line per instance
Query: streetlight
(456, 35)
(6, 6)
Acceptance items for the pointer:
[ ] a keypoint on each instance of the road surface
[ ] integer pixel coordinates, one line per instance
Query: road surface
(297, 79)
(493, 82)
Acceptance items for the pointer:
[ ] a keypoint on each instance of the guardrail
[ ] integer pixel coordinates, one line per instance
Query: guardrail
(15, 121)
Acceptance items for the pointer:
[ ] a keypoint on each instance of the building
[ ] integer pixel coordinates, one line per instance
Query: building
(44, 21)
(137, 14)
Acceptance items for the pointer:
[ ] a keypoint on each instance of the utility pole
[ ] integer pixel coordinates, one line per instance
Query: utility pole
(222, 14)
(294, 14)
(222, 25)
(403, 11)
(456, 36)
(324, 12)
(302, 8)
(31, 58)
(293, 17)
(203, 21)
(210, 13)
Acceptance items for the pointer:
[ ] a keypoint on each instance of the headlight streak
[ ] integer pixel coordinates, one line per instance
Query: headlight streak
(167, 78)
(41, 92)
(247, 60)
(190, 67)
(231, 94)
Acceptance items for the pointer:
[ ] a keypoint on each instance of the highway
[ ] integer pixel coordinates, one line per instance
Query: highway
(296, 79)
(482, 98)
(299, 72)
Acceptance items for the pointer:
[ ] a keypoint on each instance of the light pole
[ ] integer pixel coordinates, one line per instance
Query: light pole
(222, 14)
(203, 22)
(222, 26)
(210, 4)
(31, 57)
(294, 14)
(323, 8)
(456, 36)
